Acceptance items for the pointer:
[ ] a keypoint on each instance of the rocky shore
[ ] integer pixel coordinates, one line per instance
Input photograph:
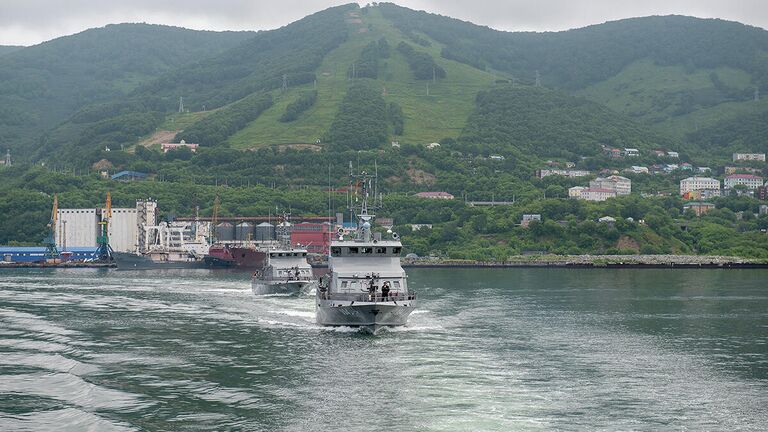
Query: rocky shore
(597, 261)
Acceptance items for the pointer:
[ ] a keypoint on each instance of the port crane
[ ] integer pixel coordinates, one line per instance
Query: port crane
(214, 219)
(104, 251)
(51, 251)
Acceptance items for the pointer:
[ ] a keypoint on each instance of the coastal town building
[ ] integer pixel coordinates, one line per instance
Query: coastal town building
(698, 207)
(561, 172)
(7, 161)
(737, 157)
(673, 154)
(528, 218)
(597, 194)
(129, 176)
(751, 181)
(435, 195)
(737, 170)
(166, 147)
(631, 152)
(637, 170)
(705, 186)
(618, 184)
(575, 192)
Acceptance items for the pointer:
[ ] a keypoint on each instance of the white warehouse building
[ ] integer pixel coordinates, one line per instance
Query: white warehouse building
(76, 227)
(80, 227)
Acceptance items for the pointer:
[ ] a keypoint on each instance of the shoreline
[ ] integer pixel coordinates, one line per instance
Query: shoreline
(598, 262)
(15, 265)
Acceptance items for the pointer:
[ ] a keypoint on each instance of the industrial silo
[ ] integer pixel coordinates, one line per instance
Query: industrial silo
(225, 231)
(244, 231)
(265, 231)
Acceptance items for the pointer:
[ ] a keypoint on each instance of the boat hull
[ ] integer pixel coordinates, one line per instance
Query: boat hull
(129, 261)
(371, 316)
(295, 288)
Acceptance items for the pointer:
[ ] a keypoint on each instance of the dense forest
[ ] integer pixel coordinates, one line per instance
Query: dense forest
(220, 125)
(295, 108)
(361, 122)
(367, 65)
(42, 85)
(422, 64)
(521, 120)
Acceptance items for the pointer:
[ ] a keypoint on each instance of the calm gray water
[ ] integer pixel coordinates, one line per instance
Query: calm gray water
(489, 350)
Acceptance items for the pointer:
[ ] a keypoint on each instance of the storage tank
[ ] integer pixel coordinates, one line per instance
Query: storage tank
(225, 231)
(244, 231)
(265, 231)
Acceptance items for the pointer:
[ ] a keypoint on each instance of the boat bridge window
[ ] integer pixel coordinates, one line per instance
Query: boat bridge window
(381, 250)
(367, 250)
(353, 250)
(396, 250)
(336, 250)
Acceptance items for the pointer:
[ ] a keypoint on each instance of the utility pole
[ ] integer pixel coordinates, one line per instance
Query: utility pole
(757, 94)
(434, 75)
(8, 157)
(538, 79)
(285, 83)
(427, 88)
(181, 104)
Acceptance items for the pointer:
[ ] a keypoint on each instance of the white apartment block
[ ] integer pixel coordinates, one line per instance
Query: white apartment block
(751, 181)
(699, 184)
(597, 194)
(749, 157)
(620, 185)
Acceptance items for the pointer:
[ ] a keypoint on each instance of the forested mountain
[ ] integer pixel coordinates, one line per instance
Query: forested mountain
(520, 121)
(668, 71)
(680, 75)
(7, 49)
(275, 111)
(575, 59)
(262, 63)
(45, 84)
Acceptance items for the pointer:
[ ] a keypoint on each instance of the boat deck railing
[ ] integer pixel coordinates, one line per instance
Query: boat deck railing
(367, 297)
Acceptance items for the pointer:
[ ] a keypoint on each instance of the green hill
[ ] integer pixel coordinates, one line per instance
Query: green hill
(521, 121)
(45, 84)
(429, 118)
(663, 70)
(7, 49)
(677, 75)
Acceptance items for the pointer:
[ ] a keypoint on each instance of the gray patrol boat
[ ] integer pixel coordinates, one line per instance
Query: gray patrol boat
(365, 286)
(286, 270)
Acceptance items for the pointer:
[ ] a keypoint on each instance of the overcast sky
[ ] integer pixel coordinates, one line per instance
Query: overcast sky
(28, 22)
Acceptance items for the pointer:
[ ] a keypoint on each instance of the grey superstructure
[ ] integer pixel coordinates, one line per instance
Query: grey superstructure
(285, 271)
(366, 286)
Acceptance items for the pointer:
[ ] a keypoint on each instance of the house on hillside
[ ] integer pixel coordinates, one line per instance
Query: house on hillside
(698, 207)
(165, 147)
(129, 176)
(435, 195)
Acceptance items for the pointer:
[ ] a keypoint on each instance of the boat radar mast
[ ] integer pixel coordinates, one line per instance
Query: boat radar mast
(367, 184)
